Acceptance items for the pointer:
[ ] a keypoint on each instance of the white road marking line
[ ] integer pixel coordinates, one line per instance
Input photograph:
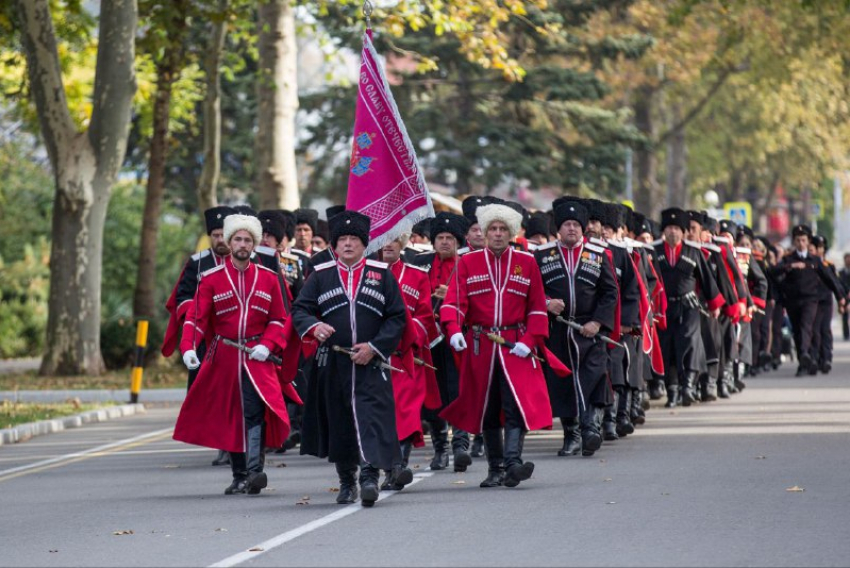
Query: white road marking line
(288, 536)
(85, 453)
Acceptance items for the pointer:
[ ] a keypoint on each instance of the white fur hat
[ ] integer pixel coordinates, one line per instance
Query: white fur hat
(495, 212)
(234, 223)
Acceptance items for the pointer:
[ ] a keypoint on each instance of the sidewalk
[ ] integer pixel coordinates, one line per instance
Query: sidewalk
(117, 395)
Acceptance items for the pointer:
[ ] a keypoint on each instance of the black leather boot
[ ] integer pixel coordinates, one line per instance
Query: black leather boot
(709, 387)
(257, 479)
(686, 390)
(240, 474)
(495, 458)
(572, 437)
(440, 441)
(624, 403)
(740, 373)
(369, 490)
(348, 492)
(460, 450)
(477, 450)
(637, 414)
(672, 396)
(655, 391)
(591, 439)
(400, 475)
(609, 424)
(515, 470)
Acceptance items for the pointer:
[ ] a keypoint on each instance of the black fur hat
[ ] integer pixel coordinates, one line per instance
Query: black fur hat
(214, 217)
(333, 210)
(350, 223)
(244, 210)
(676, 217)
(571, 211)
(274, 223)
(422, 228)
(307, 217)
(452, 223)
(539, 223)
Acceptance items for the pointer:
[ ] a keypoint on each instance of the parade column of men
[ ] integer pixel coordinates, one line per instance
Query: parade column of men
(372, 361)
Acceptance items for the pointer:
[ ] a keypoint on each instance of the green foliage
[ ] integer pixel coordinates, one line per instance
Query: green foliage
(178, 236)
(23, 301)
(26, 198)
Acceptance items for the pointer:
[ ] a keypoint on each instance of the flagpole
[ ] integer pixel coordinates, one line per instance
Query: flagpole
(367, 11)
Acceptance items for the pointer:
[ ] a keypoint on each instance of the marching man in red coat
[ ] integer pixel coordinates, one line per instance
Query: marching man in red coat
(237, 389)
(498, 292)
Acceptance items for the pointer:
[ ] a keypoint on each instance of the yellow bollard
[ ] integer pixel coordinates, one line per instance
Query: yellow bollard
(138, 368)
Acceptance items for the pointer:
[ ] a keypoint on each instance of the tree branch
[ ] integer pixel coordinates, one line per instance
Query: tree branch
(114, 84)
(45, 75)
(691, 114)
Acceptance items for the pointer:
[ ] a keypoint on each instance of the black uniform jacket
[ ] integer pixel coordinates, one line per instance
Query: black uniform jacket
(349, 415)
(801, 285)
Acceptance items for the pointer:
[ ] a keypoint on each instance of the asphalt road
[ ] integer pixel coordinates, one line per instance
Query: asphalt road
(703, 486)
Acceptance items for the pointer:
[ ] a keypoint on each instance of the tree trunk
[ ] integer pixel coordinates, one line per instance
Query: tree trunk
(208, 183)
(677, 162)
(85, 166)
(277, 94)
(646, 196)
(145, 305)
(144, 298)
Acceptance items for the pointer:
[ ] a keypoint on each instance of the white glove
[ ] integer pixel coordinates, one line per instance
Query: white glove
(190, 359)
(521, 350)
(259, 353)
(457, 342)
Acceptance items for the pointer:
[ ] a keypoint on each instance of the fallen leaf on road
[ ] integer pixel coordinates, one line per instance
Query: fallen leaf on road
(665, 494)
(795, 489)
(256, 549)
(334, 489)
(607, 479)
(302, 502)
(118, 533)
(611, 503)
(761, 457)
(460, 482)
(52, 551)
(220, 530)
(602, 461)
(416, 466)
(281, 464)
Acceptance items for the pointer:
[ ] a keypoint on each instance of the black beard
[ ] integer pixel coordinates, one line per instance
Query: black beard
(242, 255)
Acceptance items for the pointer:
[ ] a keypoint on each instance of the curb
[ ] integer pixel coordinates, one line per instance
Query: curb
(23, 432)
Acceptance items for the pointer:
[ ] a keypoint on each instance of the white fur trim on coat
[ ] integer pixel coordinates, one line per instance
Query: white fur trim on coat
(233, 223)
(486, 214)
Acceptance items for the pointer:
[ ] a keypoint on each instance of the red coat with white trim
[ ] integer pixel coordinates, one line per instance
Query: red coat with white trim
(244, 306)
(496, 293)
(417, 385)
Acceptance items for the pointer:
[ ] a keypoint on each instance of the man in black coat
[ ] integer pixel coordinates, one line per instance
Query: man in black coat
(352, 303)
(682, 266)
(578, 279)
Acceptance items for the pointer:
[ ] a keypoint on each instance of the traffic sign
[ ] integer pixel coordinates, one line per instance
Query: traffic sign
(741, 212)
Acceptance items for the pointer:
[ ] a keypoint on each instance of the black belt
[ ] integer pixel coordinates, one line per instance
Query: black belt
(246, 340)
(477, 330)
